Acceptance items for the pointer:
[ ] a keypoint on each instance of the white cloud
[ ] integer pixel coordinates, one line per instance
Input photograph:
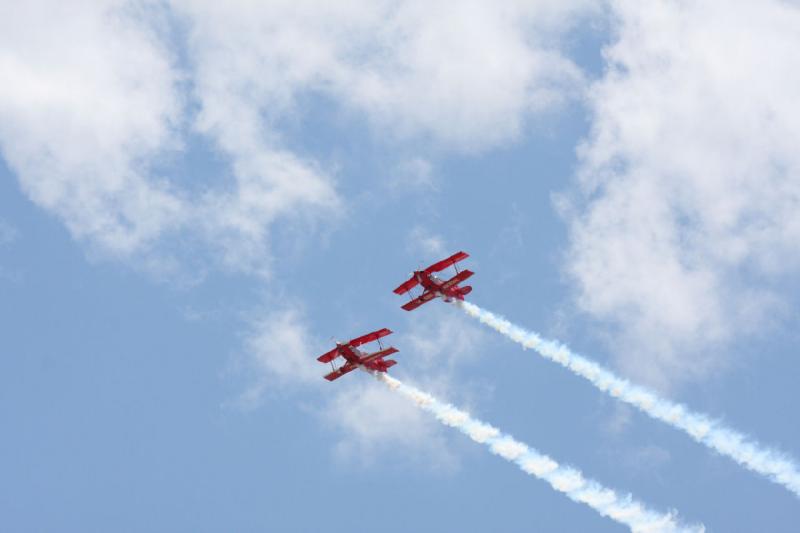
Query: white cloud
(692, 180)
(414, 175)
(89, 97)
(429, 245)
(99, 99)
(270, 184)
(282, 353)
(96, 103)
(371, 421)
(376, 422)
(467, 77)
(442, 339)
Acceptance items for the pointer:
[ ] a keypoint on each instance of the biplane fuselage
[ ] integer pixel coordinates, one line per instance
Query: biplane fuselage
(435, 287)
(435, 284)
(355, 358)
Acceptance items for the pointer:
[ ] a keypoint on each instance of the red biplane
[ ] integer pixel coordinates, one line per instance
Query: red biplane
(355, 358)
(434, 287)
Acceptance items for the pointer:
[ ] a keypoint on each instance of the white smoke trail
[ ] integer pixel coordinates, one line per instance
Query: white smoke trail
(623, 509)
(748, 453)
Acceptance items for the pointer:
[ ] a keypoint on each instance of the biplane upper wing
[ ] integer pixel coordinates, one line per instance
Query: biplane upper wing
(458, 278)
(416, 302)
(444, 263)
(341, 371)
(407, 286)
(369, 337)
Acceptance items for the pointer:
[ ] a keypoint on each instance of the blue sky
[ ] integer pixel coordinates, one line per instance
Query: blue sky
(195, 200)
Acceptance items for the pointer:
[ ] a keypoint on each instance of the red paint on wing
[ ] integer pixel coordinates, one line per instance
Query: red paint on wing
(444, 263)
(369, 337)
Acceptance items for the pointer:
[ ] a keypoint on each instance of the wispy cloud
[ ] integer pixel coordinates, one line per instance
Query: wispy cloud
(278, 361)
(373, 423)
(101, 96)
(414, 175)
(425, 243)
(8, 233)
(95, 95)
(98, 100)
(690, 206)
(279, 350)
(412, 68)
(440, 341)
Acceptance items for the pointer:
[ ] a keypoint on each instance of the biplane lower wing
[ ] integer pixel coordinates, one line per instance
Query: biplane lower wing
(444, 263)
(341, 371)
(416, 302)
(458, 278)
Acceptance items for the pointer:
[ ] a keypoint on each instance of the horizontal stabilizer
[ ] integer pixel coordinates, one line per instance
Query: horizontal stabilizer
(380, 365)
